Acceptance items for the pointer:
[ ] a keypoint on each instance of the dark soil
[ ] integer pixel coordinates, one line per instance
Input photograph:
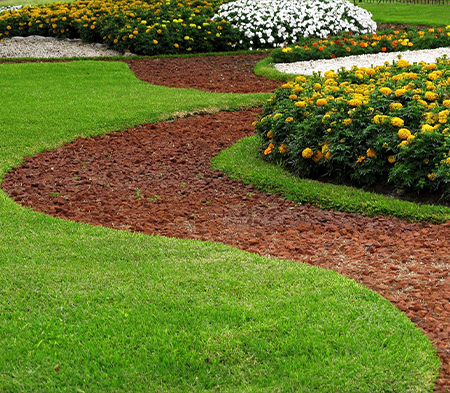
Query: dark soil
(157, 179)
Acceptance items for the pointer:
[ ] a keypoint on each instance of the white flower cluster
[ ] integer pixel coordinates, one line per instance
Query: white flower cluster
(270, 23)
(10, 8)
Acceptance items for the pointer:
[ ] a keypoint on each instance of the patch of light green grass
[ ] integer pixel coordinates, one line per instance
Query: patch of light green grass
(242, 161)
(418, 14)
(86, 308)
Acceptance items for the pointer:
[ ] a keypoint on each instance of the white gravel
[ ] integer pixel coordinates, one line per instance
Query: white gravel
(309, 67)
(48, 47)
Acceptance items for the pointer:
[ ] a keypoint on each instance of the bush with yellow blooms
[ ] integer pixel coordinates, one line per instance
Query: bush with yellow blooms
(368, 125)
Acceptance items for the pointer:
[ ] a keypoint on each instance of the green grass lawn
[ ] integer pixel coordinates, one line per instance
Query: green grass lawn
(418, 14)
(114, 311)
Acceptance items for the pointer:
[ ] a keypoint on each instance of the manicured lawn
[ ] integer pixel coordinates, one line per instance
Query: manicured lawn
(419, 14)
(92, 309)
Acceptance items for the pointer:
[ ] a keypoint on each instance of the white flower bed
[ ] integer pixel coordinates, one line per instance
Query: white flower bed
(10, 8)
(270, 23)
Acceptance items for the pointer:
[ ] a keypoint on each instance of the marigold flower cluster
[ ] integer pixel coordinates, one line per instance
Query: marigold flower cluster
(384, 124)
(349, 44)
(140, 27)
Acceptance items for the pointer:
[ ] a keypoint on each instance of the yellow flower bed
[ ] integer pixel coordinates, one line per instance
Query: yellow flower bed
(141, 27)
(382, 124)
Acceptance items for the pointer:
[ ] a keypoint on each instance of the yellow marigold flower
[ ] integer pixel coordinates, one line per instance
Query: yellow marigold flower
(431, 176)
(317, 86)
(289, 119)
(155, 42)
(403, 143)
(293, 97)
(400, 92)
(397, 122)
(430, 96)
(328, 155)
(395, 105)
(300, 104)
(270, 134)
(385, 90)
(297, 89)
(404, 133)
(371, 153)
(300, 78)
(321, 102)
(426, 161)
(307, 153)
(446, 103)
(391, 159)
(447, 161)
(411, 137)
(431, 67)
(355, 102)
(427, 127)
(283, 148)
(347, 121)
(402, 63)
(276, 115)
(318, 156)
(385, 145)
(330, 74)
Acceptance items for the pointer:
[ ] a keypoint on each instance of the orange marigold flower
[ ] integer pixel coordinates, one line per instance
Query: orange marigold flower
(430, 96)
(371, 153)
(318, 156)
(269, 149)
(385, 90)
(431, 176)
(404, 133)
(397, 122)
(293, 97)
(361, 159)
(383, 49)
(307, 153)
(355, 102)
(270, 134)
(391, 159)
(282, 149)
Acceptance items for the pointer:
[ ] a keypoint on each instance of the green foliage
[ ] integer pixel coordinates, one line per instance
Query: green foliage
(144, 28)
(375, 125)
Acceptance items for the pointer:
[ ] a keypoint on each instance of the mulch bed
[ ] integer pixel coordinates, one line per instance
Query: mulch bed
(157, 179)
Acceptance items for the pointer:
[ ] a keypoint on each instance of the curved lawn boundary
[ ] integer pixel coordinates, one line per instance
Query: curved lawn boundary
(93, 309)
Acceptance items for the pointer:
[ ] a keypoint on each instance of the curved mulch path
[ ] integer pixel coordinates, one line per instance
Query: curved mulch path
(157, 178)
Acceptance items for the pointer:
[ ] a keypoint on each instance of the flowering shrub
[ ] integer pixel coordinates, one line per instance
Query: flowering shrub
(146, 28)
(387, 123)
(269, 23)
(348, 44)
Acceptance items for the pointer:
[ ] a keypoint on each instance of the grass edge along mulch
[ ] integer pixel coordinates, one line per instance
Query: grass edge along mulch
(88, 307)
